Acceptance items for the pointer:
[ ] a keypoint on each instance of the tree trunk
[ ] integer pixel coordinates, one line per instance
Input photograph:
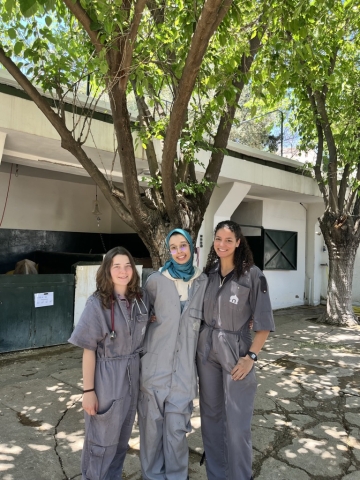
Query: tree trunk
(342, 242)
(158, 227)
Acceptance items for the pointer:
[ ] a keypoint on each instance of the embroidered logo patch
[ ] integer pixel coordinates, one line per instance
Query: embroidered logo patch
(234, 299)
(196, 326)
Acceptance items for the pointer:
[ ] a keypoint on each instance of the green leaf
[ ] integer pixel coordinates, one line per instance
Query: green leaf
(28, 7)
(10, 5)
(95, 26)
(18, 47)
(48, 20)
(12, 33)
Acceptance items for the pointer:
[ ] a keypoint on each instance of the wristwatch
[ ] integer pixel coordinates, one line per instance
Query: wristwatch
(252, 355)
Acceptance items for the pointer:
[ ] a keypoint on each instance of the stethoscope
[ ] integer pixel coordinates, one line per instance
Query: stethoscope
(113, 333)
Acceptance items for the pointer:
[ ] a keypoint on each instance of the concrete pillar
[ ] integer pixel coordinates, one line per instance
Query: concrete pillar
(316, 257)
(224, 201)
(2, 144)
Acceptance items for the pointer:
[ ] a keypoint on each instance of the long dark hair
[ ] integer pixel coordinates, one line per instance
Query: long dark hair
(243, 258)
(104, 284)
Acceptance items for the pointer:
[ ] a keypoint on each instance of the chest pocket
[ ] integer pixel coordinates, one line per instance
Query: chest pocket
(195, 318)
(141, 324)
(237, 298)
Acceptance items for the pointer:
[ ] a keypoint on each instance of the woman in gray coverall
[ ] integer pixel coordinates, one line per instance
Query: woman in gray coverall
(111, 332)
(237, 293)
(168, 381)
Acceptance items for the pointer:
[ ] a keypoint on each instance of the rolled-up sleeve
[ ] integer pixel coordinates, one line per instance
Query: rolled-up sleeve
(88, 332)
(260, 302)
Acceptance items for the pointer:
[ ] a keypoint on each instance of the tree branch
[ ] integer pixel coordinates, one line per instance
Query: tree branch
(211, 16)
(332, 167)
(81, 15)
(320, 150)
(146, 116)
(354, 193)
(223, 132)
(128, 45)
(343, 187)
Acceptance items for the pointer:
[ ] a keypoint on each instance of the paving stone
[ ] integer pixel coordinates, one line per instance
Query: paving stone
(264, 403)
(353, 418)
(311, 403)
(273, 469)
(300, 421)
(132, 468)
(26, 453)
(316, 457)
(288, 405)
(329, 430)
(41, 400)
(327, 414)
(263, 439)
(354, 441)
(72, 377)
(277, 387)
(353, 402)
(352, 476)
(269, 421)
(70, 439)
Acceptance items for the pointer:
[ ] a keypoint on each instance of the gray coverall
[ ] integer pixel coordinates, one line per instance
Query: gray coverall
(168, 378)
(116, 382)
(226, 406)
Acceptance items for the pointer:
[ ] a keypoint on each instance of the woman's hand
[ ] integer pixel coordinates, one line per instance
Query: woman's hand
(152, 319)
(242, 368)
(90, 403)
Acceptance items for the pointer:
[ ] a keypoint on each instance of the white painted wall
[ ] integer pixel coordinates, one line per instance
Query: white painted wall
(117, 225)
(356, 280)
(249, 213)
(287, 286)
(44, 200)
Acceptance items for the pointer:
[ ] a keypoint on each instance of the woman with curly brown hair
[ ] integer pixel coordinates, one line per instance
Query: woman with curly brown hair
(236, 294)
(111, 331)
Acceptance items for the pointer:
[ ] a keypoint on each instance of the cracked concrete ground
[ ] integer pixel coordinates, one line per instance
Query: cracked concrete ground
(306, 422)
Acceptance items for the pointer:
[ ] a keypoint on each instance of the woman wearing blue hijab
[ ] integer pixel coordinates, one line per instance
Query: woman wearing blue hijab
(168, 381)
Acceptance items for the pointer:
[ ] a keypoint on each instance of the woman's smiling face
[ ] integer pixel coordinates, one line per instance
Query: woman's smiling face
(179, 248)
(225, 243)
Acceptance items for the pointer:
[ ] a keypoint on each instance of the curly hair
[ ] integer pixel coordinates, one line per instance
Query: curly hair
(243, 257)
(104, 284)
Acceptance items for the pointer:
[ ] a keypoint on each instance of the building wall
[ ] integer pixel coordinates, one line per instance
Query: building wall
(44, 200)
(287, 286)
(356, 281)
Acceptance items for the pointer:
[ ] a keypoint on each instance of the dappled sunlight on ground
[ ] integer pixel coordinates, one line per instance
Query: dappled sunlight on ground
(8, 453)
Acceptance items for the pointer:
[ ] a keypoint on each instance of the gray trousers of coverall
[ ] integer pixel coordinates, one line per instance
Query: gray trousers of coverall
(163, 429)
(226, 409)
(107, 434)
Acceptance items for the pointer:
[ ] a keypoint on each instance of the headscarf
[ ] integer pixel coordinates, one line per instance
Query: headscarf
(186, 270)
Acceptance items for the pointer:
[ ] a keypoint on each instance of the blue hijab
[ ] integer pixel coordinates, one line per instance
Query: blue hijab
(186, 270)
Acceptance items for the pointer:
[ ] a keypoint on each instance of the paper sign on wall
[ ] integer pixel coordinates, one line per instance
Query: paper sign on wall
(45, 299)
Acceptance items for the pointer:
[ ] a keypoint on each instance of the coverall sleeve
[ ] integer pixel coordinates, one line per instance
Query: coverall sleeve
(88, 332)
(260, 303)
(151, 291)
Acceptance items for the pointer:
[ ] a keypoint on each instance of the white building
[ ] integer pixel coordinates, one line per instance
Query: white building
(50, 192)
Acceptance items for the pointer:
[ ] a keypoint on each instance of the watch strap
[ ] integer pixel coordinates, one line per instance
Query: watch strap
(252, 355)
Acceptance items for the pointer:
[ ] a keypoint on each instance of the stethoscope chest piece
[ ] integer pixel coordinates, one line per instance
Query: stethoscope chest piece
(112, 335)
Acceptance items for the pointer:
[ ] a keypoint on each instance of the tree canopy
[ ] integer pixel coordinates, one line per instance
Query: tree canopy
(184, 63)
(314, 57)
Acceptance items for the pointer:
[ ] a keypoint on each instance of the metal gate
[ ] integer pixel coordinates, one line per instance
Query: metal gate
(28, 320)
